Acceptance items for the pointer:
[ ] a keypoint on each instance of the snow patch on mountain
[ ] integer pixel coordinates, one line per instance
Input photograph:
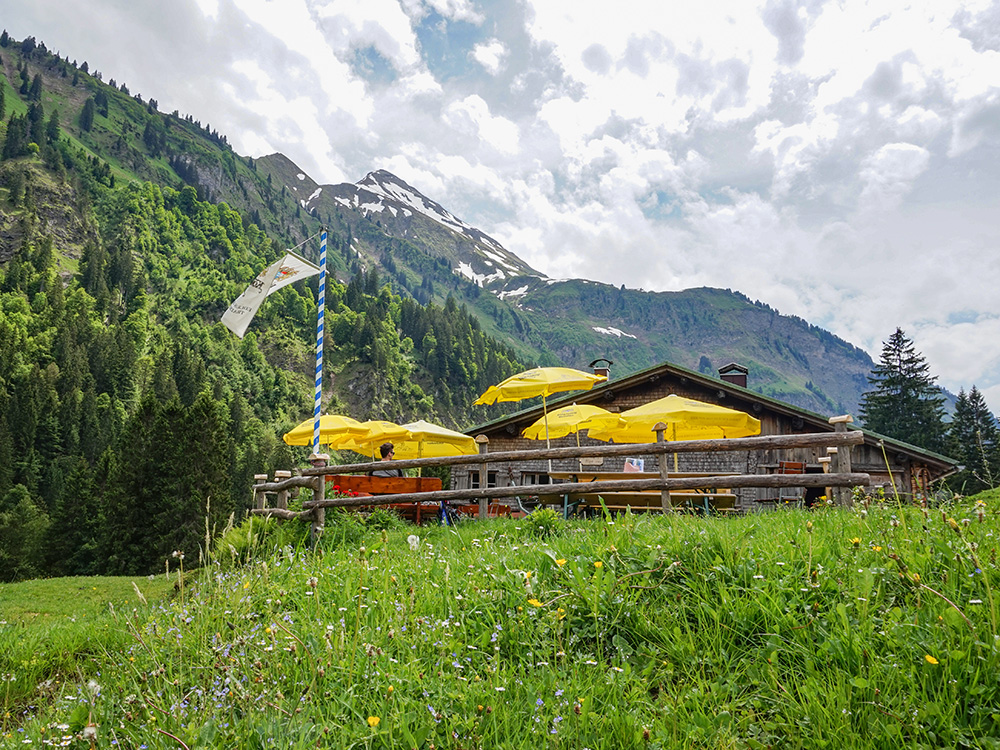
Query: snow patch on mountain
(519, 292)
(614, 332)
(479, 279)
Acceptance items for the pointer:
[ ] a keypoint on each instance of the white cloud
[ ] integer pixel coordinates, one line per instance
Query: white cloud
(491, 55)
(889, 173)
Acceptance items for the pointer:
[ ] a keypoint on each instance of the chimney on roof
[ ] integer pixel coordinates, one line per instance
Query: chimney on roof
(735, 374)
(602, 367)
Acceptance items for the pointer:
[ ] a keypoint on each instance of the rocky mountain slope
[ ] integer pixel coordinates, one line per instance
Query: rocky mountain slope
(421, 245)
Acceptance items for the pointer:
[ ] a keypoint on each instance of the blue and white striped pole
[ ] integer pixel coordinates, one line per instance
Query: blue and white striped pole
(320, 308)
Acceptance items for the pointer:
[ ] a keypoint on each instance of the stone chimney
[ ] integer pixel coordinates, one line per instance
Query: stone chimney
(602, 367)
(735, 374)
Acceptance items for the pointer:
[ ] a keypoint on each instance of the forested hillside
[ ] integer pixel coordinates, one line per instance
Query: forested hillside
(131, 421)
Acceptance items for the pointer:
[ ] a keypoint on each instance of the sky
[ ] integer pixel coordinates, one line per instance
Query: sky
(838, 160)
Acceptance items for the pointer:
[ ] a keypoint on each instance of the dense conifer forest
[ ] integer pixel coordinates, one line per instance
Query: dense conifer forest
(131, 420)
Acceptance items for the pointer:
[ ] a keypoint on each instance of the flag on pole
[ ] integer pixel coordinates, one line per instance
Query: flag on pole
(279, 274)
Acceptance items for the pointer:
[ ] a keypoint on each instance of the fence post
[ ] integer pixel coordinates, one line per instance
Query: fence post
(259, 498)
(484, 474)
(282, 501)
(842, 461)
(824, 462)
(318, 513)
(664, 474)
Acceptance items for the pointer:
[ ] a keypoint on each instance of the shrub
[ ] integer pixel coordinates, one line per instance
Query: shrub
(544, 522)
(384, 519)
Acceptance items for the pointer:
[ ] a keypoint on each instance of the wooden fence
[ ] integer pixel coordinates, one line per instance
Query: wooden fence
(839, 479)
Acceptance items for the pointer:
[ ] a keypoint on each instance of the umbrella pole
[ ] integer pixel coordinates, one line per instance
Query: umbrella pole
(673, 432)
(545, 414)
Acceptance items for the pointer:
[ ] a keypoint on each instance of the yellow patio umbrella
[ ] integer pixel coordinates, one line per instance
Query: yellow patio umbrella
(541, 381)
(376, 432)
(570, 419)
(334, 429)
(686, 419)
(428, 440)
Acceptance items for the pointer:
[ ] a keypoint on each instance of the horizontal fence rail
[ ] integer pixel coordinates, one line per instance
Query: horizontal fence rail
(569, 488)
(768, 442)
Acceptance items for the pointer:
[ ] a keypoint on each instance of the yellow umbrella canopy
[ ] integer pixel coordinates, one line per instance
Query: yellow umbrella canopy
(376, 432)
(686, 419)
(428, 440)
(541, 381)
(333, 430)
(570, 419)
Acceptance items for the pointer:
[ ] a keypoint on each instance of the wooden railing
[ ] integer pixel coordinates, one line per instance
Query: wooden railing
(840, 477)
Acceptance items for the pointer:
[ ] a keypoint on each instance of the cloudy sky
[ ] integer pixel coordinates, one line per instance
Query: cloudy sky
(838, 160)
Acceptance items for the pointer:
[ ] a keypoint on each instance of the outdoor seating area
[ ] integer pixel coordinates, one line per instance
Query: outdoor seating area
(669, 425)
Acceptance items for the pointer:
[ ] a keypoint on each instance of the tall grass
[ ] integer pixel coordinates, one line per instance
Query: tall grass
(869, 628)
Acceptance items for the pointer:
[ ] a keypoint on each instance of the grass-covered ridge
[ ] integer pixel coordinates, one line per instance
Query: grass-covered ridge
(873, 627)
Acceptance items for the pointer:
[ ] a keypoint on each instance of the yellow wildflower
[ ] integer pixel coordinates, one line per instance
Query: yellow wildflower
(560, 562)
(535, 603)
(391, 688)
(373, 721)
(930, 659)
(856, 541)
(561, 612)
(916, 578)
(598, 565)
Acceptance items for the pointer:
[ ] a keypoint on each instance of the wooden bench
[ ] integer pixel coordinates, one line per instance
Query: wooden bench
(362, 484)
(713, 498)
(650, 500)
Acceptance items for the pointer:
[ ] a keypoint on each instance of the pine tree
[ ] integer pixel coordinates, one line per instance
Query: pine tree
(87, 115)
(905, 402)
(974, 440)
(35, 92)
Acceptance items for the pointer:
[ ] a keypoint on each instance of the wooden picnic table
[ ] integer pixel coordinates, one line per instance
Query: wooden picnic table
(714, 496)
(362, 484)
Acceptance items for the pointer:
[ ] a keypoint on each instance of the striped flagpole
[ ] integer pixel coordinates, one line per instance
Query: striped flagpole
(320, 308)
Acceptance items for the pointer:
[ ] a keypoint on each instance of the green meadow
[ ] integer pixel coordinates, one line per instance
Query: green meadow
(871, 627)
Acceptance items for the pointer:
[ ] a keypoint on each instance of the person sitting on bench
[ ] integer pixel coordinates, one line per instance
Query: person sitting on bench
(387, 452)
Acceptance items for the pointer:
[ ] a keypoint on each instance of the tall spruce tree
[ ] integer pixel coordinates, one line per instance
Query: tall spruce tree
(905, 402)
(974, 440)
(87, 115)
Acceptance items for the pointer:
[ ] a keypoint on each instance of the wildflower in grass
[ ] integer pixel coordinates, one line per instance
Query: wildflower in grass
(598, 565)
(954, 525)
(809, 527)
(856, 542)
(90, 733)
(916, 578)
(560, 562)
(876, 548)
(312, 582)
(373, 721)
(535, 603)
(930, 659)
(561, 613)
(414, 541)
